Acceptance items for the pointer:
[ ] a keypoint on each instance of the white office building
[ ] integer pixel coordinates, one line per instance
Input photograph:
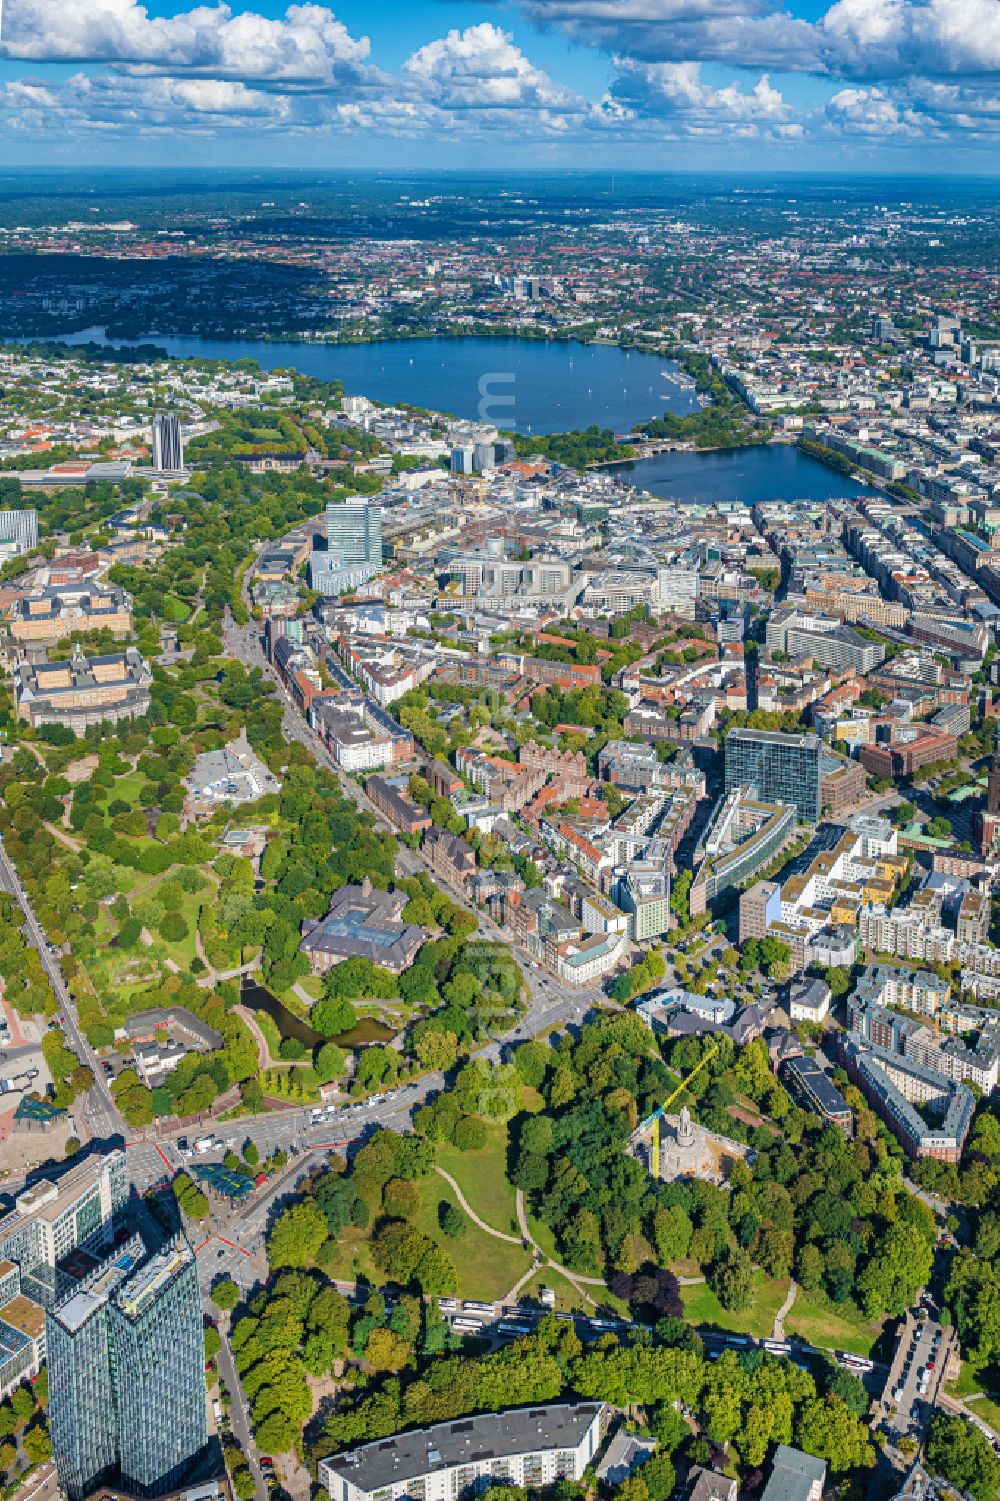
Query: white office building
(19, 528)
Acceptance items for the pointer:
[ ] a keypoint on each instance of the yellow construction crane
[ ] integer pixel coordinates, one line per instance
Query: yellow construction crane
(654, 1120)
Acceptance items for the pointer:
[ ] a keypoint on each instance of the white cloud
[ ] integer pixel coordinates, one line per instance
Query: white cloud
(481, 68)
(862, 39)
(892, 38)
(745, 33)
(308, 46)
(678, 92)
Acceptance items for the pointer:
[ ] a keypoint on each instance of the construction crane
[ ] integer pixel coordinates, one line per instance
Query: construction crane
(654, 1119)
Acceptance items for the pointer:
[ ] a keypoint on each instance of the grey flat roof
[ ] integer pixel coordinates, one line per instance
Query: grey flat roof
(464, 1441)
(75, 1312)
(793, 1475)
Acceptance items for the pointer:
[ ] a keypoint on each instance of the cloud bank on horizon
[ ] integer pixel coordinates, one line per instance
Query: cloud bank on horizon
(756, 77)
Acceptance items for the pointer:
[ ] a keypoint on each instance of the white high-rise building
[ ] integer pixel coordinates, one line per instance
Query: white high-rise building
(19, 527)
(168, 445)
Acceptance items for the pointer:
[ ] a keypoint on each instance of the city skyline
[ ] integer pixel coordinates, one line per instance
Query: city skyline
(860, 85)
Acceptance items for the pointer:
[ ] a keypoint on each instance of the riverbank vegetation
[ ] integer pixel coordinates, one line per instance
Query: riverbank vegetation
(575, 450)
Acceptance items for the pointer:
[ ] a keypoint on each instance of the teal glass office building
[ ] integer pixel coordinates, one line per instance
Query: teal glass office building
(127, 1377)
(776, 768)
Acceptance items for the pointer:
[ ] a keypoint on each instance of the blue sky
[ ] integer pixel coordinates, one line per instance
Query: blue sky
(865, 85)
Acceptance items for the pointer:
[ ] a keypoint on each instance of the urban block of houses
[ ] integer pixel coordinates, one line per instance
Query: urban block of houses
(549, 931)
(860, 867)
(744, 836)
(894, 1085)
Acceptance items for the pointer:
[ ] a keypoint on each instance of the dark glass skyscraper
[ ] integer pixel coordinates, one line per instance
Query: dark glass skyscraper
(127, 1376)
(777, 768)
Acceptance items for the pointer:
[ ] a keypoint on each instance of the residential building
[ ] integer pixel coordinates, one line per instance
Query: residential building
(528, 1447)
(643, 894)
(449, 856)
(776, 768)
(819, 639)
(637, 768)
(760, 907)
(126, 1363)
(806, 1082)
(809, 1001)
(910, 932)
(598, 915)
(390, 797)
(349, 739)
(709, 1485)
(794, 1476)
(912, 990)
(893, 1085)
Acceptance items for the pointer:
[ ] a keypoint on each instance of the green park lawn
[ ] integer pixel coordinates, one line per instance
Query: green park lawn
(126, 788)
(568, 1299)
(988, 1410)
(701, 1306)
(482, 1177)
(183, 952)
(543, 1238)
(972, 1378)
(832, 1326)
(487, 1267)
(269, 1027)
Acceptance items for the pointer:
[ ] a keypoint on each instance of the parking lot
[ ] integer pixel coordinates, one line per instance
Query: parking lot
(917, 1372)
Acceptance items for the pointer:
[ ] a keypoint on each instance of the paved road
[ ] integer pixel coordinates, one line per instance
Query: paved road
(101, 1113)
(238, 1414)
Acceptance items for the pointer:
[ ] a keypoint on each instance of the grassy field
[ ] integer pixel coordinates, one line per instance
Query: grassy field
(701, 1306)
(972, 1378)
(988, 1410)
(568, 1300)
(482, 1177)
(543, 1237)
(832, 1326)
(190, 904)
(126, 789)
(487, 1268)
(269, 1027)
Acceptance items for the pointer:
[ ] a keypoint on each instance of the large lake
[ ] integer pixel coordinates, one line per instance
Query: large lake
(534, 385)
(553, 385)
(773, 471)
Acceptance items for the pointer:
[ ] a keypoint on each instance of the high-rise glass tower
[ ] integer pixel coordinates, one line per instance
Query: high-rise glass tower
(354, 531)
(127, 1378)
(168, 445)
(776, 768)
